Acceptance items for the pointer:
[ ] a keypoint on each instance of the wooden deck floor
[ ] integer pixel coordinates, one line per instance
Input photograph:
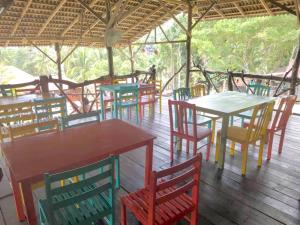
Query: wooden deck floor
(269, 195)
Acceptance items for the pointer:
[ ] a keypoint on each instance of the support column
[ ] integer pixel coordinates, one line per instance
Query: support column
(188, 45)
(295, 71)
(110, 61)
(131, 58)
(58, 62)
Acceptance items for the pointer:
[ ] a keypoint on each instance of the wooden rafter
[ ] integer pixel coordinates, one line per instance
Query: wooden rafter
(236, 4)
(76, 20)
(44, 53)
(70, 53)
(20, 18)
(92, 11)
(274, 2)
(58, 7)
(132, 10)
(168, 11)
(204, 14)
(219, 11)
(162, 30)
(265, 4)
(297, 6)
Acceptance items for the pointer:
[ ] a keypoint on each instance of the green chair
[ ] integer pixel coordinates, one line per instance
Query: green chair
(128, 97)
(6, 92)
(84, 202)
(78, 119)
(255, 89)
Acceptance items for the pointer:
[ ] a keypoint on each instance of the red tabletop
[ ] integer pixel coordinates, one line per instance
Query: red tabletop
(30, 157)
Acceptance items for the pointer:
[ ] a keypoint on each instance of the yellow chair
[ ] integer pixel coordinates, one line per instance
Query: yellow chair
(158, 88)
(12, 114)
(199, 90)
(256, 131)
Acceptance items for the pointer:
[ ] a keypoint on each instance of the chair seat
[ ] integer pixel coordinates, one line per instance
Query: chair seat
(87, 212)
(165, 213)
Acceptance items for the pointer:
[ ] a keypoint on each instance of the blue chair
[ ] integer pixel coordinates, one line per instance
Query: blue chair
(128, 98)
(78, 119)
(83, 202)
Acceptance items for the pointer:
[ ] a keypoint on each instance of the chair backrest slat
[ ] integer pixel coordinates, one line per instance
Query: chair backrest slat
(50, 107)
(79, 119)
(258, 89)
(181, 94)
(283, 112)
(198, 90)
(260, 119)
(165, 185)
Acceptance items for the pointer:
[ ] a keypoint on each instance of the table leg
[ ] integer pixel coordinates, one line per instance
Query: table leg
(115, 105)
(18, 198)
(149, 161)
(29, 203)
(221, 160)
(102, 105)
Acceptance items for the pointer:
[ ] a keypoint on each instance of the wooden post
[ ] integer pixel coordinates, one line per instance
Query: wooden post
(58, 62)
(230, 87)
(295, 70)
(44, 84)
(131, 58)
(188, 45)
(110, 61)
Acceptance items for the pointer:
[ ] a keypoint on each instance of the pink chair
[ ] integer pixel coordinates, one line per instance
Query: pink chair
(279, 122)
(183, 123)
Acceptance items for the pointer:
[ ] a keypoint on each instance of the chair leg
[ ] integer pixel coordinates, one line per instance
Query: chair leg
(231, 120)
(187, 146)
(244, 158)
(270, 145)
(281, 141)
(242, 121)
(117, 172)
(194, 218)
(172, 148)
(213, 130)
(218, 146)
(261, 151)
(194, 147)
(123, 214)
(232, 148)
(208, 147)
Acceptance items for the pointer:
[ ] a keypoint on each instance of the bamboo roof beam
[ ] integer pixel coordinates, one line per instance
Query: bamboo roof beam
(92, 11)
(283, 7)
(265, 4)
(236, 4)
(133, 10)
(297, 6)
(162, 30)
(76, 20)
(219, 11)
(204, 14)
(59, 6)
(167, 10)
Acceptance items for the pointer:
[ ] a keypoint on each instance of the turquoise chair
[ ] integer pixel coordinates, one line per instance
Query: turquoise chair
(85, 118)
(49, 108)
(6, 92)
(84, 202)
(255, 89)
(128, 97)
(78, 119)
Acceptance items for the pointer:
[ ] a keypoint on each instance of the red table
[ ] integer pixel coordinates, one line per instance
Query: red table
(30, 157)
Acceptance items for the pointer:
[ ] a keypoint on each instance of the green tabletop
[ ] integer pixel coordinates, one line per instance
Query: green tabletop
(228, 103)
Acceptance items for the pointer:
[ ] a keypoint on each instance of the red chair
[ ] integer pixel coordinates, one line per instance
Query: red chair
(147, 94)
(165, 201)
(108, 97)
(183, 123)
(279, 122)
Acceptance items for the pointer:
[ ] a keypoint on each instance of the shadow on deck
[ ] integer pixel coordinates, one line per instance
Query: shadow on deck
(269, 195)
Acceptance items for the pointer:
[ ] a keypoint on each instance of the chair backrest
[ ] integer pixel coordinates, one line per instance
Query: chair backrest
(198, 90)
(6, 92)
(120, 81)
(181, 94)
(78, 119)
(183, 120)
(258, 89)
(167, 184)
(129, 94)
(147, 90)
(260, 119)
(16, 113)
(97, 181)
(158, 86)
(21, 130)
(283, 112)
(46, 108)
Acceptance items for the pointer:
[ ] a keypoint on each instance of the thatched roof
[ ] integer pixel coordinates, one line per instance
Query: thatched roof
(69, 22)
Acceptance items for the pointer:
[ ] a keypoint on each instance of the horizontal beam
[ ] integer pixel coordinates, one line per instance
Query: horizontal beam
(279, 5)
(159, 42)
